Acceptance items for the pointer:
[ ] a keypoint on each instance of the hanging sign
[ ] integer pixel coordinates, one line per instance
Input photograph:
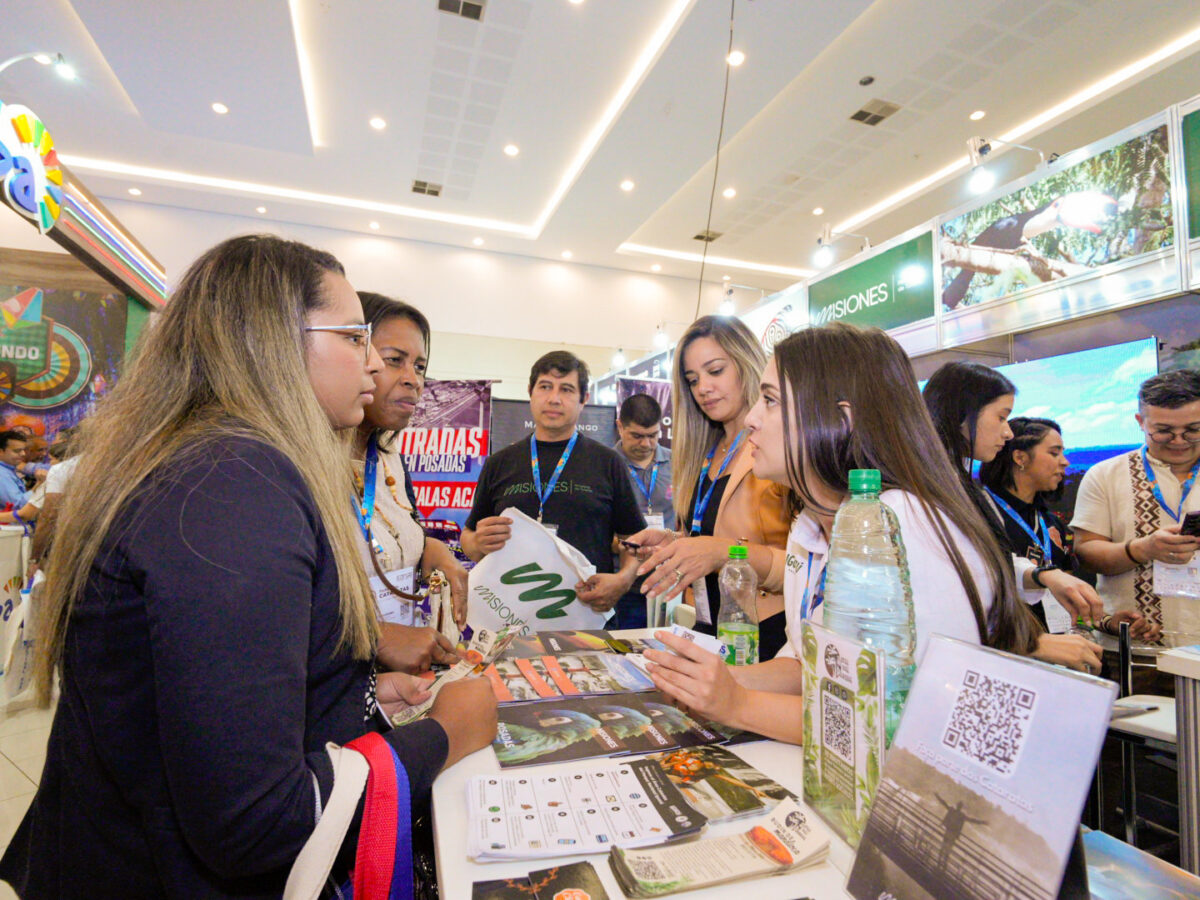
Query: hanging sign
(29, 172)
(892, 288)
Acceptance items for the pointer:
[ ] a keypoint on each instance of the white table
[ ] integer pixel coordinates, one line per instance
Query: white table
(783, 762)
(1184, 664)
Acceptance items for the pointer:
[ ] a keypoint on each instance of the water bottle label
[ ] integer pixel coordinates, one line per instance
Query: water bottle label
(703, 610)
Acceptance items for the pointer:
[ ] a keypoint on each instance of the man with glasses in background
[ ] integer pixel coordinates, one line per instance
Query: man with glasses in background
(1130, 512)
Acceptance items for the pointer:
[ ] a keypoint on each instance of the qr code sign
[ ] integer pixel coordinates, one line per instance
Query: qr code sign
(989, 721)
(836, 723)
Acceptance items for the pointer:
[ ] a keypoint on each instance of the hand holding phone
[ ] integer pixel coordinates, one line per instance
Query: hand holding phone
(1191, 524)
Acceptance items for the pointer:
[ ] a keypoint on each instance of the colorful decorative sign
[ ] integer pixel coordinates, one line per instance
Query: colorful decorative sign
(42, 363)
(892, 288)
(32, 179)
(1114, 205)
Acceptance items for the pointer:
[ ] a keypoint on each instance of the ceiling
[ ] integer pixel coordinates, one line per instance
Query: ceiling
(592, 93)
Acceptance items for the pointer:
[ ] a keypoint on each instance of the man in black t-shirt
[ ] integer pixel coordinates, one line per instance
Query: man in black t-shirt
(587, 501)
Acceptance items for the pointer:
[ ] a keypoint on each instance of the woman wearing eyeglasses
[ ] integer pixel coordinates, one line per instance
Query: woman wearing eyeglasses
(206, 612)
(395, 550)
(1130, 509)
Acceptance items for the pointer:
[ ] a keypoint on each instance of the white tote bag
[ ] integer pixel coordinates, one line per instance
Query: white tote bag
(530, 583)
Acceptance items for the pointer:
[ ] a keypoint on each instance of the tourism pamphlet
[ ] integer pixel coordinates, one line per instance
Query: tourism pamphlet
(568, 675)
(844, 685)
(485, 646)
(719, 783)
(790, 838)
(574, 881)
(586, 727)
(977, 799)
(1117, 871)
(565, 811)
(553, 643)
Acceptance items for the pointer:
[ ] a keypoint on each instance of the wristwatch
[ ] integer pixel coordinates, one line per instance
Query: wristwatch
(1038, 572)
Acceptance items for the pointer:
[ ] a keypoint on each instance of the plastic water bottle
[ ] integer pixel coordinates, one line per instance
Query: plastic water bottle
(868, 594)
(737, 622)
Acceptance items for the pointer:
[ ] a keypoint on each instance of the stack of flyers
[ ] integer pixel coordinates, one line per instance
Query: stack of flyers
(565, 812)
(587, 727)
(719, 783)
(574, 881)
(791, 838)
(569, 675)
(485, 646)
(553, 643)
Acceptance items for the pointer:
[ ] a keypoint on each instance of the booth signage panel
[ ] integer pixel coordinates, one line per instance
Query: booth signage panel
(777, 317)
(1191, 165)
(1110, 207)
(891, 289)
(29, 171)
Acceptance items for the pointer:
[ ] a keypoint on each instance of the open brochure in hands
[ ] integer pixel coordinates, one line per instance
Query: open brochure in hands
(566, 675)
(792, 837)
(485, 646)
(567, 811)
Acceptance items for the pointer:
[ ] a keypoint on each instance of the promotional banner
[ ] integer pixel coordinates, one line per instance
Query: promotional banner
(1191, 165)
(891, 289)
(659, 390)
(777, 317)
(511, 421)
(1111, 206)
(444, 448)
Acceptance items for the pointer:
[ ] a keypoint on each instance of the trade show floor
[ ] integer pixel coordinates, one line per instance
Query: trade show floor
(23, 738)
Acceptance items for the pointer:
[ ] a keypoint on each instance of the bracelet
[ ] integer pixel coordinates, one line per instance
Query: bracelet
(1036, 574)
(1129, 552)
(1103, 624)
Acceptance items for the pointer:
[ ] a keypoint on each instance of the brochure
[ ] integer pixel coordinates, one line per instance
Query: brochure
(569, 675)
(719, 783)
(1117, 871)
(553, 643)
(790, 838)
(565, 811)
(485, 646)
(587, 727)
(576, 881)
(844, 684)
(977, 799)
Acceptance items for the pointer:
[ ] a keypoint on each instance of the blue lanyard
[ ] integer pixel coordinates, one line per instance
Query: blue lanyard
(1043, 541)
(702, 503)
(366, 510)
(818, 597)
(647, 492)
(544, 495)
(1184, 490)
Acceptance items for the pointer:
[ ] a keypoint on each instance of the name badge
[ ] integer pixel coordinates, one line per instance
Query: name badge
(700, 593)
(654, 521)
(1177, 581)
(1058, 620)
(395, 609)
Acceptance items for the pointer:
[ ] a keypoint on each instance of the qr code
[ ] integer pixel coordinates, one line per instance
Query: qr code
(989, 721)
(646, 869)
(836, 726)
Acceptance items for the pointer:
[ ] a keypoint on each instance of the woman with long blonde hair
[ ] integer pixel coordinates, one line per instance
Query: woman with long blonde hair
(207, 614)
(720, 501)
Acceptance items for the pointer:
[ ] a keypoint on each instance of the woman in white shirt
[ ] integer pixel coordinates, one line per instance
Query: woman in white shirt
(833, 399)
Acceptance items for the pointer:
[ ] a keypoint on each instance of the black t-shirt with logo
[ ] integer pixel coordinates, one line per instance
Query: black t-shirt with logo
(592, 501)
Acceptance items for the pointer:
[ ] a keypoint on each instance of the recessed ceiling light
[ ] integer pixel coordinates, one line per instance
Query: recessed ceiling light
(374, 226)
(977, 115)
(478, 242)
(627, 185)
(725, 278)
(511, 149)
(260, 209)
(567, 254)
(576, 2)
(656, 267)
(220, 109)
(137, 192)
(736, 58)
(818, 210)
(377, 123)
(729, 193)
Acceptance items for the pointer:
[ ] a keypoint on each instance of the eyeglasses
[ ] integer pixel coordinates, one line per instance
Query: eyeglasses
(1166, 435)
(360, 335)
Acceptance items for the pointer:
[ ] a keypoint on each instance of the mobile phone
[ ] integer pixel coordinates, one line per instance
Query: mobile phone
(1191, 524)
(631, 546)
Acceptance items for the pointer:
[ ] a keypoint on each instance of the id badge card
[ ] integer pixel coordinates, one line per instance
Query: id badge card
(1178, 581)
(395, 609)
(700, 593)
(1058, 620)
(655, 521)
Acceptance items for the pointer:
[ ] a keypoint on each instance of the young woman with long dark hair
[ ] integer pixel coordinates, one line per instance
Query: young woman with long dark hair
(206, 609)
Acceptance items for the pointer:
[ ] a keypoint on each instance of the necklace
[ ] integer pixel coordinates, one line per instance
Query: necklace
(390, 481)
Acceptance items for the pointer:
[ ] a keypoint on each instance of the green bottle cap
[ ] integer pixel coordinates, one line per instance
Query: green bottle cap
(865, 481)
(737, 551)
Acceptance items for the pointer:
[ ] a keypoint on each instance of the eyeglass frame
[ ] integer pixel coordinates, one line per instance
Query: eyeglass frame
(365, 329)
(1158, 435)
